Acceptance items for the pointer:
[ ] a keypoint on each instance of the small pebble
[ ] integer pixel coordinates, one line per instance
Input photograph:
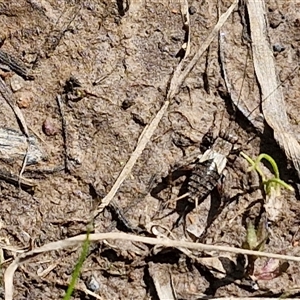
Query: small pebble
(93, 285)
(192, 10)
(16, 82)
(278, 48)
(49, 127)
(127, 104)
(24, 99)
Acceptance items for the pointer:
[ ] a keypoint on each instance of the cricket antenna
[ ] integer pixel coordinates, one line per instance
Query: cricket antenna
(236, 104)
(233, 104)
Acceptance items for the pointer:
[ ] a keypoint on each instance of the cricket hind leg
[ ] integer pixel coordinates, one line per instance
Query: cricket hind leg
(214, 209)
(169, 180)
(173, 179)
(192, 188)
(197, 221)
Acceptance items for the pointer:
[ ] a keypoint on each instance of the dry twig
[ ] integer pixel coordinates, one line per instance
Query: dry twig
(77, 240)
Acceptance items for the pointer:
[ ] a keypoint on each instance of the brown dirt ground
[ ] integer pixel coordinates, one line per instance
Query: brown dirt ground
(124, 60)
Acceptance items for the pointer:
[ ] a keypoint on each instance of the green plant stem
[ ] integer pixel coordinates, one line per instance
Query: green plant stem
(76, 272)
(278, 181)
(271, 161)
(275, 181)
(254, 166)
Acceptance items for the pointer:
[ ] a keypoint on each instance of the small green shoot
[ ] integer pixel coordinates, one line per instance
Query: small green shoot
(76, 272)
(255, 240)
(273, 183)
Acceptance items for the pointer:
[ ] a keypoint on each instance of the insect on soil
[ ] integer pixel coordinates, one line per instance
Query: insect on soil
(206, 170)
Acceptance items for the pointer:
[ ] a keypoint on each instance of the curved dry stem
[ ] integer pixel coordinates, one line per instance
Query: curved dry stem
(77, 240)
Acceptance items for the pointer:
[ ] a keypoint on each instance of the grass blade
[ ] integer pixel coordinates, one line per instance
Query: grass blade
(76, 272)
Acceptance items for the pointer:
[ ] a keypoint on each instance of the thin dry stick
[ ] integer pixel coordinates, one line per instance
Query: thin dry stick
(186, 26)
(177, 80)
(64, 132)
(143, 140)
(77, 240)
(184, 73)
(24, 163)
(9, 98)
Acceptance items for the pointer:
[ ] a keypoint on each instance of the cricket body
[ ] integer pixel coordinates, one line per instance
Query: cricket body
(208, 169)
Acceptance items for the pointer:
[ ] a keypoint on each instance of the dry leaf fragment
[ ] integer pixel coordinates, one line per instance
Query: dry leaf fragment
(273, 105)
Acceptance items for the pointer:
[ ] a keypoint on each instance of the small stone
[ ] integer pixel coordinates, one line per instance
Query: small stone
(16, 82)
(278, 48)
(127, 104)
(192, 10)
(24, 99)
(93, 284)
(49, 127)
